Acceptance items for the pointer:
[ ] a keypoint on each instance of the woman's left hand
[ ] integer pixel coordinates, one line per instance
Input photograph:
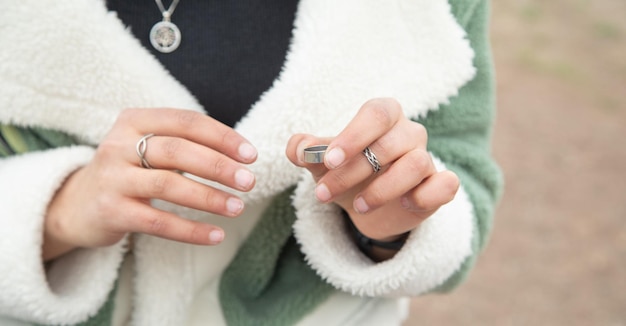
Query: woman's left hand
(383, 205)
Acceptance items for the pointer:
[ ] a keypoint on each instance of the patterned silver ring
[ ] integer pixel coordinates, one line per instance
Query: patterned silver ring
(142, 147)
(371, 158)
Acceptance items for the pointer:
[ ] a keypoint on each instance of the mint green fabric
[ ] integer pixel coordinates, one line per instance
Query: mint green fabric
(460, 133)
(268, 282)
(18, 140)
(104, 317)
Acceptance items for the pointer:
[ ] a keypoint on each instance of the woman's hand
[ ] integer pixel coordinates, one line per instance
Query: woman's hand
(386, 204)
(110, 196)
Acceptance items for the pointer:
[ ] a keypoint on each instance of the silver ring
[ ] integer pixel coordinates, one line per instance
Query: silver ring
(315, 154)
(371, 157)
(142, 147)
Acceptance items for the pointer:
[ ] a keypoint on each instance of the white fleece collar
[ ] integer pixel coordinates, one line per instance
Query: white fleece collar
(73, 66)
(342, 54)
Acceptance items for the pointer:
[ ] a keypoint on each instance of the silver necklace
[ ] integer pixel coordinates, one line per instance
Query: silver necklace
(164, 35)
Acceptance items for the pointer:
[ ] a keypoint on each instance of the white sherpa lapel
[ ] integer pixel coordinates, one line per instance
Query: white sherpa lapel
(73, 66)
(342, 54)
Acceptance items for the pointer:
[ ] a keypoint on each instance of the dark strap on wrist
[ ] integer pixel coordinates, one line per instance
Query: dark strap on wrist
(365, 244)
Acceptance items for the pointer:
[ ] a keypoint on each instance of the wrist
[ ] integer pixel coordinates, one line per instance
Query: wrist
(56, 227)
(53, 247)
(376, 249)
(54, 243)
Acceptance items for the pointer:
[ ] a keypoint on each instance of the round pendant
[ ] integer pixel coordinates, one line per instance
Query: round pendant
(165, 36)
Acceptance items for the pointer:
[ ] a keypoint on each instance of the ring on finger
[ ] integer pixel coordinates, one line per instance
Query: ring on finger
(142, 147)
(371, 158)
(315, 154)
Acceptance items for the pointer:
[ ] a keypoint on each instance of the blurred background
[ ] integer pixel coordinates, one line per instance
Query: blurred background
(557, 255)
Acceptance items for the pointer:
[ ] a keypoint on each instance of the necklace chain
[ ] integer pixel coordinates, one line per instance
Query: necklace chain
(170, 11)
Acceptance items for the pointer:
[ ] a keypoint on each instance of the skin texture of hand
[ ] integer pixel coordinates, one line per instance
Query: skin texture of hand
(110, 197)
(406, 190)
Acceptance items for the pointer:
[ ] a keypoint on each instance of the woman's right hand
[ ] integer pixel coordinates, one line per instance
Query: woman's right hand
(110, 197)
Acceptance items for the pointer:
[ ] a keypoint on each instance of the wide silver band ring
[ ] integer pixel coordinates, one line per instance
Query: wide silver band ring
(142, 147)
(315, 154)
(371, 158)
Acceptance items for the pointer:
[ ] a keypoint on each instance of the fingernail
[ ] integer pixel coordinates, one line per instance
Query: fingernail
(247, 151)
(216, 236)
(244, 179)
(405, 203)
(361, 206)
(322, 193)
(234, 205)
(335, 157)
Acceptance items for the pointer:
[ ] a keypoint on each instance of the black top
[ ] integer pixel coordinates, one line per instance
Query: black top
(231, 51)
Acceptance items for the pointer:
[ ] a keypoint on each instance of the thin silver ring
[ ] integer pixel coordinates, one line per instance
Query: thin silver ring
(142, 147)
(315, 154)
(371, 158)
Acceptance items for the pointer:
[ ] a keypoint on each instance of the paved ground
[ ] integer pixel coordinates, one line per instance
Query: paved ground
(558, 252)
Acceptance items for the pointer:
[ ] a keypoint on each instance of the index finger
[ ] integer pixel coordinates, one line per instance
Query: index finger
(191, 125)
(373, 120)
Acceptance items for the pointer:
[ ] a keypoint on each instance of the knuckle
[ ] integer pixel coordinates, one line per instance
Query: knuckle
(419, 131)
(451, 184)
(227, 135)
(419, 161)
(385, 147)
(299, 141)
(171, 148)
(392, 105)
(376, 197)
(212, 200)
(159, 184)
(379, 113)
(196, 233)
(186, 118)
(340, 181)
(107, 148)
(155, 224)
(127, 116)
(384, 110)
(105, 205)
(219, 166)
(114, 143)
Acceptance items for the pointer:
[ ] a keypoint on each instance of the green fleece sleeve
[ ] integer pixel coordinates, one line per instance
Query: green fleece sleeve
(19, 140)
(460, 133)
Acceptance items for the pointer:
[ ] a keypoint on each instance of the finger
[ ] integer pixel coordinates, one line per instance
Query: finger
(145, 219)
(372, 121)
(178, 189)
(402, 176)
(180, 154)
(439, 189)
(406, 135)
(403, 138)
(295, 152)
(190, 125)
